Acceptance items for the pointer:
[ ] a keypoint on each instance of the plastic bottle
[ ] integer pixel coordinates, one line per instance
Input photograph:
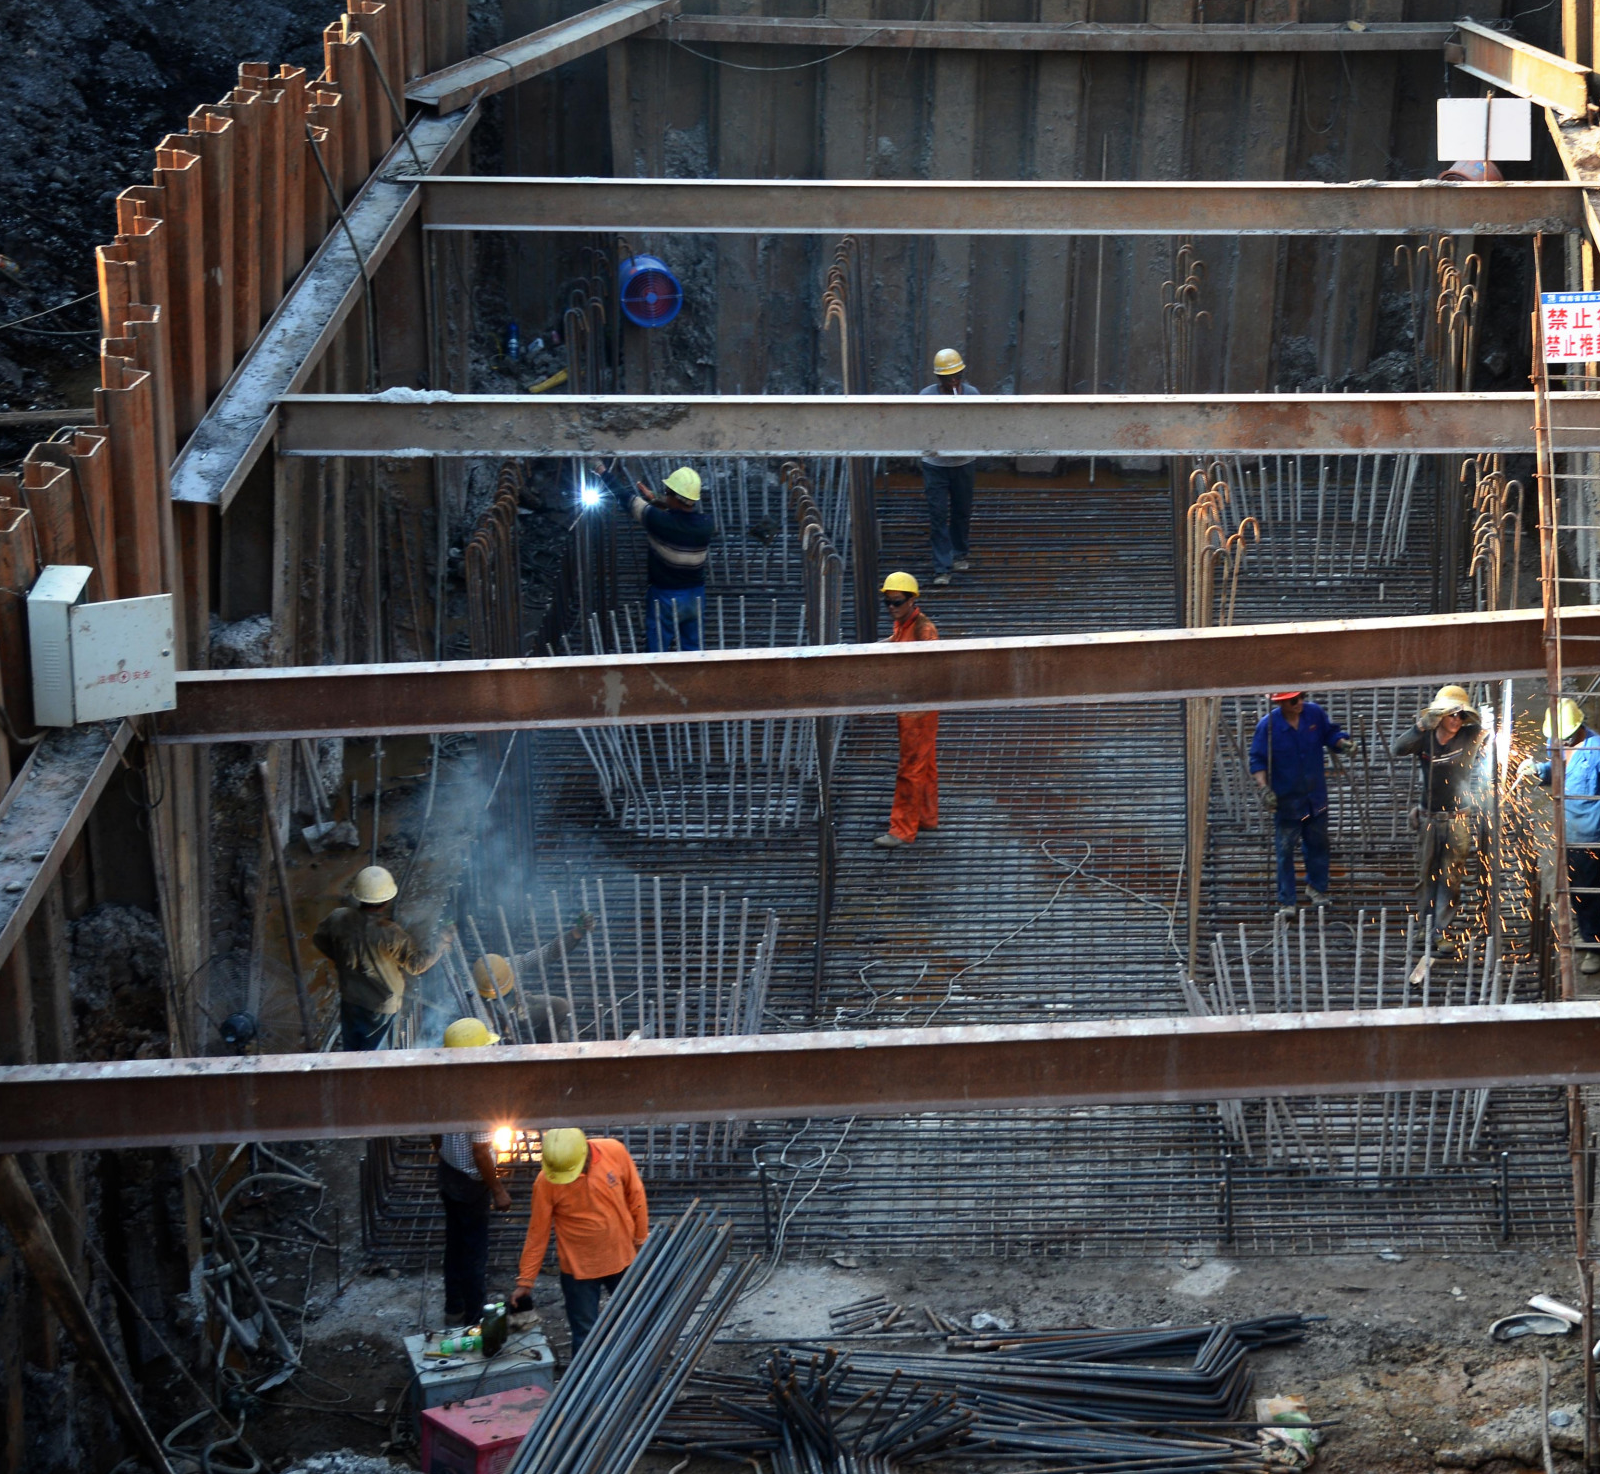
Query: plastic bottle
(452, 1345)
(513, 347)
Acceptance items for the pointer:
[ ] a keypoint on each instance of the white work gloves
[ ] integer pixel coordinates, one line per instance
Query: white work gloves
(1527, 768)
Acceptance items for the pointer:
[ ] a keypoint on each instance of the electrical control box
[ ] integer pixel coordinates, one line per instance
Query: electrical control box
(525, 1361)
(98, 662)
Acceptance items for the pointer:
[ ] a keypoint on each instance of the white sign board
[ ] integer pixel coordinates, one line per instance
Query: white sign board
(122, 658)
(1570, 325)
(1485, 128)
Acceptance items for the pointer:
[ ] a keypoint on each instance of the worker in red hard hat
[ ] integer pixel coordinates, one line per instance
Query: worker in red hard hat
(1286, 760)
(916, 783)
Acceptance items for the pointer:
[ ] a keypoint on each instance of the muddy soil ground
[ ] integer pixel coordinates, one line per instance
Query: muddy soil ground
(1402, 1363)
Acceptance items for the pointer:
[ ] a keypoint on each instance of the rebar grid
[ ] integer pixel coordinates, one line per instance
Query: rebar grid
(1052, 890)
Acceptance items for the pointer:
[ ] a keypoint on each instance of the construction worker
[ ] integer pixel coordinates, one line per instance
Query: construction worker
(470, 1188)
(1580, 786)
(1286, 760)
(549, 1020)
(588, 1191)
(680, 532)
(1446, 741)
(947, 480)
(916, 783)
(372, 955)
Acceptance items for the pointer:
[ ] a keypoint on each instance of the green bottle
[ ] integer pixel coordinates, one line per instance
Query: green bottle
(453, 1344)
(494, 1327)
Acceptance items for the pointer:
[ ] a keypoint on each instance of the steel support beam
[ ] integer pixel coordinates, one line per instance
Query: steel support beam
(237, 427)
(421, 423)
(1523, 70)
(950, 675)
(745, 30)
(881, 1072)
(995, 207)
(44, 811)
(482, 76)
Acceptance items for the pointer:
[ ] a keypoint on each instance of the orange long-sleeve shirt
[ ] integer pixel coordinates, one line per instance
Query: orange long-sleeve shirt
(600, 1217)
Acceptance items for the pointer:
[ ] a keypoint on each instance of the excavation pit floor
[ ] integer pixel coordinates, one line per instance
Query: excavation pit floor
(1402, 1364)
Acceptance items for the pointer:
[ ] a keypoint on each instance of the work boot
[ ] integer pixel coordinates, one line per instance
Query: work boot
(962, 564)
(1590, 963)
(1444, 945)
(1286, 910)
(888, 841)
(941, 578)
(1318, 898)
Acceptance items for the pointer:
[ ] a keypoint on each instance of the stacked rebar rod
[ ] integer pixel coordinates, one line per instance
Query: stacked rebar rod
(807, 1423)
(648, 1339)
(1101, 1399)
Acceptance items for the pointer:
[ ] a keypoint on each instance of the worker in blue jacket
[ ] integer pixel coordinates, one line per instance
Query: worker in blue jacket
(679, 531)
(1286, 759)
(1580, 783)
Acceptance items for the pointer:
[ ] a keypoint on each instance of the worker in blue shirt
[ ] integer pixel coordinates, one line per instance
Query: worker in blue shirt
(680, 533)
(1286, 759)
(1580, 783)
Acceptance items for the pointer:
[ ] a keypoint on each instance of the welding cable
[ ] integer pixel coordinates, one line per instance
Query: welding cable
(374, 365)
(394, 107)
(17, 322)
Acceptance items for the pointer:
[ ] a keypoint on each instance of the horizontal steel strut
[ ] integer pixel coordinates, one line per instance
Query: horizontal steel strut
(866, 1072)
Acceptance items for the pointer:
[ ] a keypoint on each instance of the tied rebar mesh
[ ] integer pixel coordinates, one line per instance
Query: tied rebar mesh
(658, 961)
(705, 780)
(1370, 1139)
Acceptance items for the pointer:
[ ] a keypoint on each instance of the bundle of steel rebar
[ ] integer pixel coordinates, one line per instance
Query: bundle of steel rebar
(648, 1339)
(796, 1412)
(1088, 1398)
(874, 1313)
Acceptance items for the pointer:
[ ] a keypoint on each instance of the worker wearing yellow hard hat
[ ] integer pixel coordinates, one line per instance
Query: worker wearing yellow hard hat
(372, 955)
(589, 1194)
(679, 531)
(470, 1189)
(519, 989)
(947, 480)
(1579, 746)
(1447, 742)
(916, 782)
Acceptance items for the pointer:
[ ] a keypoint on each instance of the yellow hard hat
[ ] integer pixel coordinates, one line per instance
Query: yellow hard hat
(492, 974)
(948, 361)
(563, 1153)
(1449, 699)
(685, 483)
(900, 583)
(373, 886)
(1571, 718)
(468, 1033)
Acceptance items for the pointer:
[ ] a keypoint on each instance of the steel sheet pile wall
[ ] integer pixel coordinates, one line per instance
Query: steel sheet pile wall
(1043, 315)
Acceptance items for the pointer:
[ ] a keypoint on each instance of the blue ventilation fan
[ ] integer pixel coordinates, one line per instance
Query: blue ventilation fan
(651, 295)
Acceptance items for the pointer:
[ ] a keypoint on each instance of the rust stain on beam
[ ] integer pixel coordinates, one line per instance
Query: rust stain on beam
(1516, 67)
(875, 1072)
(996, 207)
(1186, 39)
(951, 675)
(541, 51)
(417, 423)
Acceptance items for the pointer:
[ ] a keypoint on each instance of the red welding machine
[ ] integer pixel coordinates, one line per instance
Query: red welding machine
(480, 1435)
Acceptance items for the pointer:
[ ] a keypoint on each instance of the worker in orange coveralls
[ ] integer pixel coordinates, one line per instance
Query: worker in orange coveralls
(916, 784)
(588, 1190)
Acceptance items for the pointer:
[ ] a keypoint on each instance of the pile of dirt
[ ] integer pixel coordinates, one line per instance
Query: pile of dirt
(87, 89)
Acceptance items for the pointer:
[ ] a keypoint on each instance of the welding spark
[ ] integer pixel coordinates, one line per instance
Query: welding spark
(589, 494)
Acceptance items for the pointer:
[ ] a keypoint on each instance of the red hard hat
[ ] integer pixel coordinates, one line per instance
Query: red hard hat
(1286, 695)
